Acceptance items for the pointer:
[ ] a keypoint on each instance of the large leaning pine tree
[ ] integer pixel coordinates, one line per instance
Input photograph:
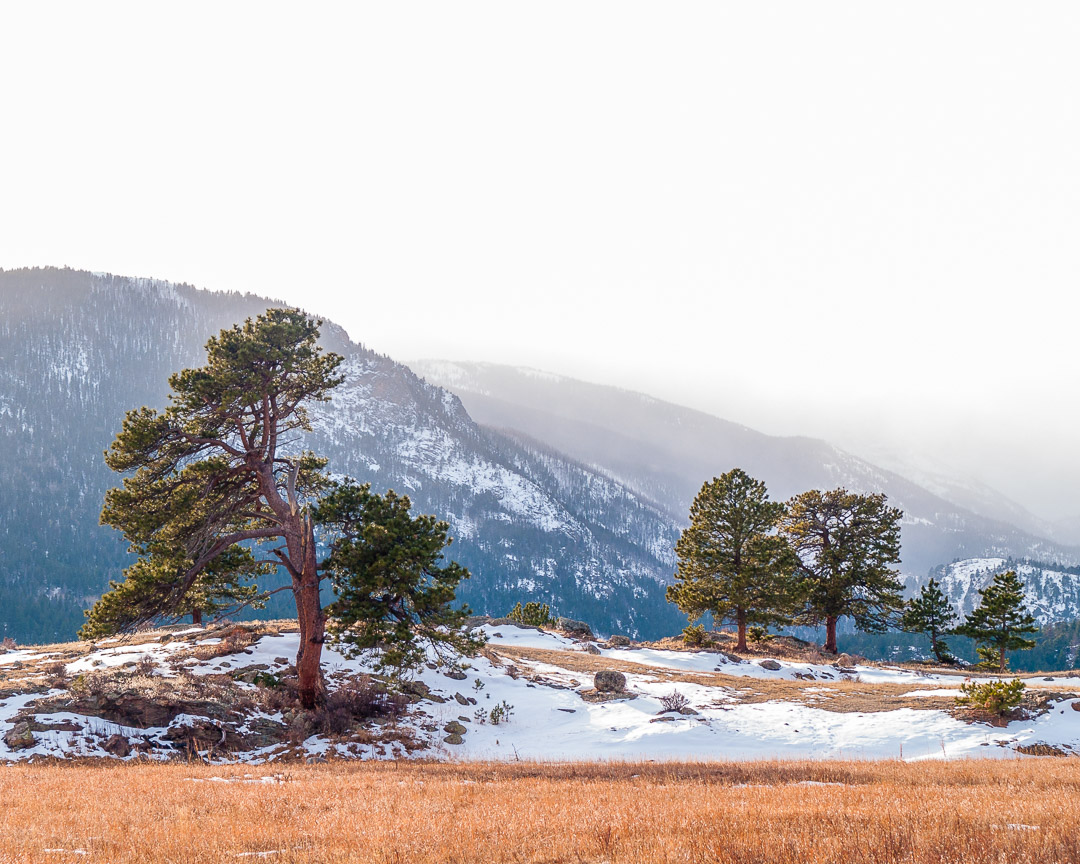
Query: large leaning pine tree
(1001, 621)
(731, 562)
(847, 544)
(216, 494)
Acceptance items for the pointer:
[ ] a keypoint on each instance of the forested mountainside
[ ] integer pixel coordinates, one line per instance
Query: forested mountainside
(77, 350)
(666, 451)
(1051, 591)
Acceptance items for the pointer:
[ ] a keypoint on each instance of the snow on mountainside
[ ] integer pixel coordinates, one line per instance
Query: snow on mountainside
(1051, 592)
(79, 350)
(666, 451)
(533, 524)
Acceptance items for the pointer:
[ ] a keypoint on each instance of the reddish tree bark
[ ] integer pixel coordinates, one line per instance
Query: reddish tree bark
(830, 633)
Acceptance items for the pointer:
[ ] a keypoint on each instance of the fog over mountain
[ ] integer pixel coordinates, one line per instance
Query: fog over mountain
(666, 451)
(556, 490)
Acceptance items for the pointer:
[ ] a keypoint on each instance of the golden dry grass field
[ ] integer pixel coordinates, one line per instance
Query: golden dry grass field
(408, 813)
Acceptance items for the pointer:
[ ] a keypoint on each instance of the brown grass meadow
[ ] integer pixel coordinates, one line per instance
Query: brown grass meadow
(1010, 811)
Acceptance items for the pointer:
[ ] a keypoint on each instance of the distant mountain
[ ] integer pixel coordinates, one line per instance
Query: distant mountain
(968, 493)
(666, 451)
(1051, 591)
(77, 350)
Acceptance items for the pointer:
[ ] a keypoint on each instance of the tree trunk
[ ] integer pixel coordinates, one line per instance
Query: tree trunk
(1001, 662)
(309, 614)
(741, 618)
(196, 617)
(830, 633)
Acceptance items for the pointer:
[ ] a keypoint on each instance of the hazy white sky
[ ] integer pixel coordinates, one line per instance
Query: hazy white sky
(858, 220)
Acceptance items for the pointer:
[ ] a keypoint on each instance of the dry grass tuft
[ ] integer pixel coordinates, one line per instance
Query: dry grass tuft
(777, 812)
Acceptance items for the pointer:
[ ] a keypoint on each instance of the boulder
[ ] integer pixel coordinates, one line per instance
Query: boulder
(619, 641)
(454, 728)
(461, 700)
(454, 739)
(576, 629)
(845, 661)
(605, 696)
(771, 665)
(609, 681)
(20, 736)
(456, 675)
(590, 648)
(117, 745)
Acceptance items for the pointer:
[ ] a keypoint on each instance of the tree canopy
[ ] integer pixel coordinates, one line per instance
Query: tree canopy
(393, 594)
(847, 544)
(217, 492)
(730, 560)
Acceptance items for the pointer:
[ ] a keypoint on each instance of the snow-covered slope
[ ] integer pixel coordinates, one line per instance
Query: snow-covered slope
(535, 680)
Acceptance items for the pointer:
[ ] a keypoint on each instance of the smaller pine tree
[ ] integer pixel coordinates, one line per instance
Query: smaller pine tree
(930, 613)
(1001, 621)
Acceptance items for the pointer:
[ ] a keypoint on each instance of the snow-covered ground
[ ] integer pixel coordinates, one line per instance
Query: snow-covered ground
(549, 719)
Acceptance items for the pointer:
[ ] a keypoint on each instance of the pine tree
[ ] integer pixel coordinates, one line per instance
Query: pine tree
(212, 481)
(393, 594)
(846, 544)
(1000, 621)
(930, 613)
(730, 560)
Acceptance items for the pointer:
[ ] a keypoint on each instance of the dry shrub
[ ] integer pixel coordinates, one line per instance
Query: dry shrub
(674, 701)
(360, 698)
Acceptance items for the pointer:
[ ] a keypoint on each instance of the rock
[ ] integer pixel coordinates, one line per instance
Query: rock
(590, 648)
(844, 661)
(461, 700)
(1041, 750)
(414, 688)
(771, 665)
(576, 629)
(1076, 705)
(609, 681)
(619, 641)
(454, 728)
(598, 696)
(281, 661)
(510, 622)
(686, 709)
(117, 745)
(454, 739)
(20, 736)
(456, 675)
